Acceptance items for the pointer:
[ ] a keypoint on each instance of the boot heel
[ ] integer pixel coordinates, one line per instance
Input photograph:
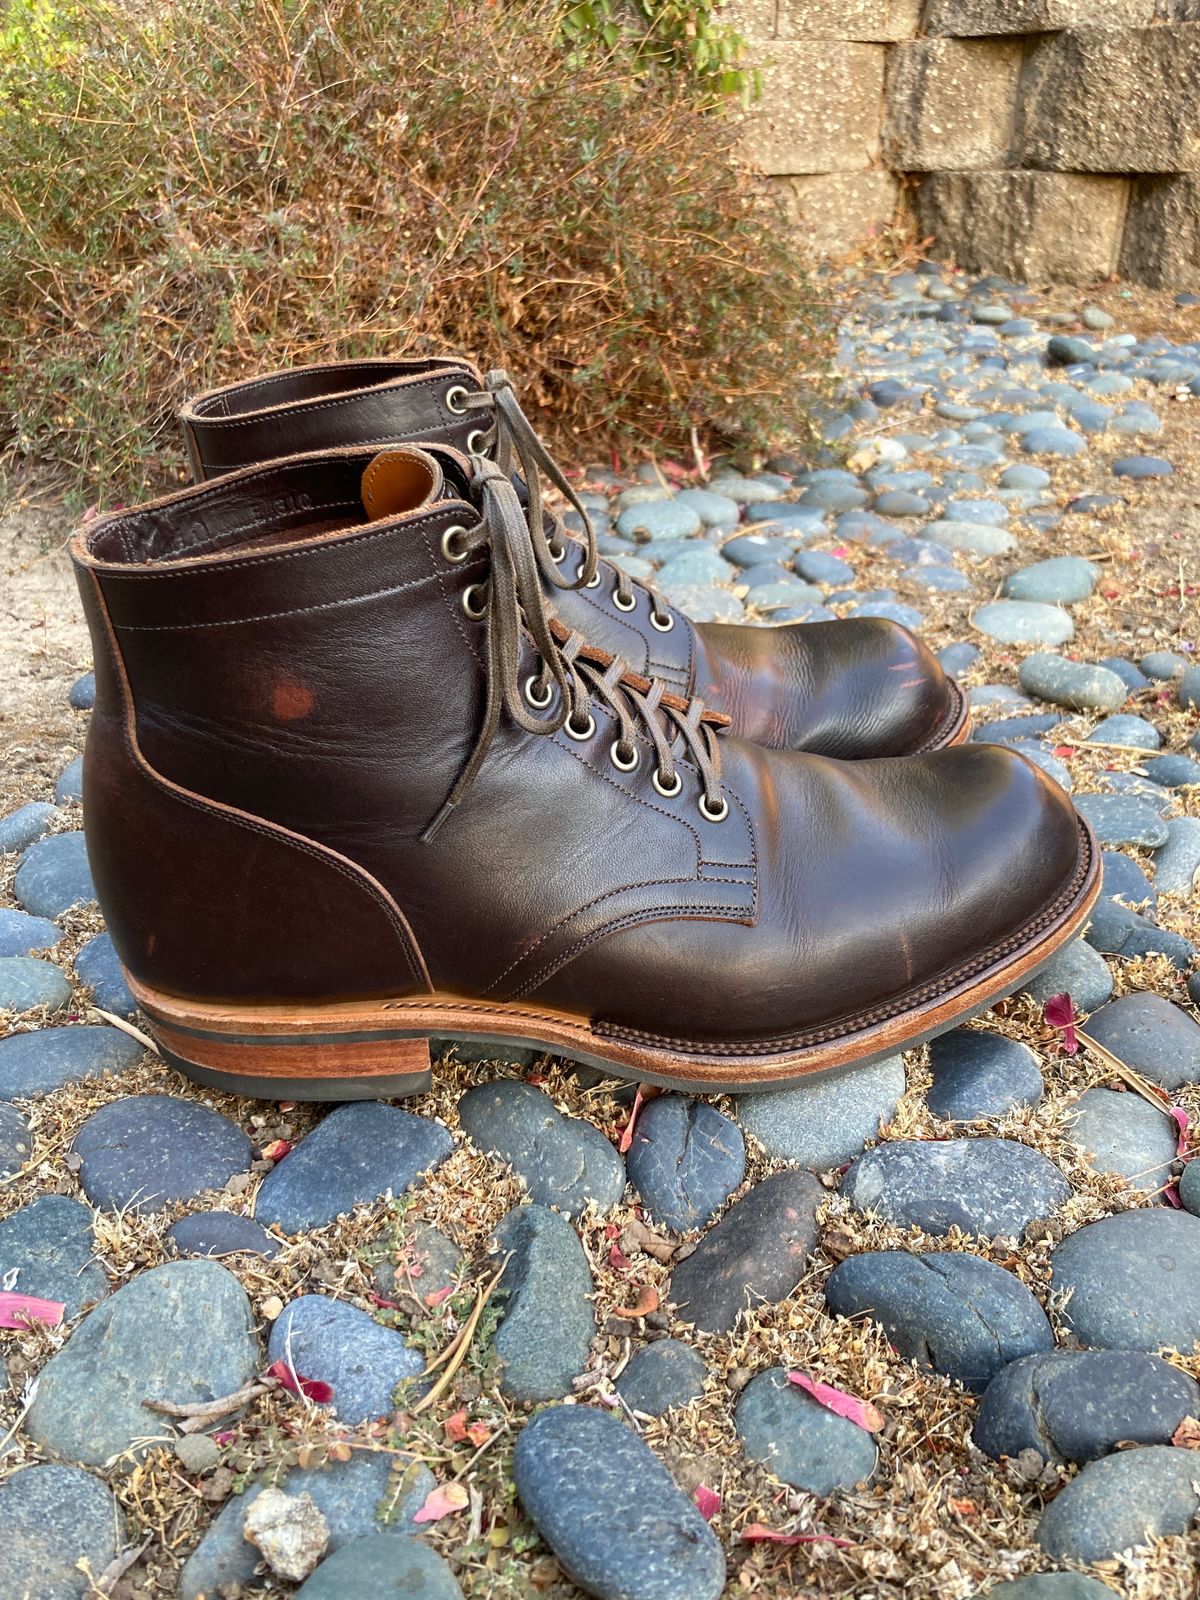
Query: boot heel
(349, 1051)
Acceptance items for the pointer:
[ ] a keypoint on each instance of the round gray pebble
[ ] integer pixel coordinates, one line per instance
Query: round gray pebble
(56, 1523)
(685, 1160)
(980, 1074)
(1071, 683)
(26, 825)
(1075, 969)
(27, 983)
(1078, 1405)
(358, 1154)
(336, 1343)
(826, 1121)
(614, 1517)
(45, 1059)
(181, 1332)
(1127, 1499)
(983, 1186)
(661, 1375)
(801, 1442)
(383, 1566)
(949, 1310)
(547, 1320)
(1133, 1279)
(1122, 1133)
(54, 875)
(563, 1161)
(144, 1151)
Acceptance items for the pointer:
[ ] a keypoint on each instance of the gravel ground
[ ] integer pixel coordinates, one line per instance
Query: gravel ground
(1035, 1318)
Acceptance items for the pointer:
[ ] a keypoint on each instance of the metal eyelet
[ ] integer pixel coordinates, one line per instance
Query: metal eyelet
(623, 605)
(580, 734)
(614, 757)
(531, 695)
(475, 610)
(657, 622)
(667, 794)
(593, 582)
(559, 555)
(476, 440)
(455, 398)
(718, 815)
(449, 549)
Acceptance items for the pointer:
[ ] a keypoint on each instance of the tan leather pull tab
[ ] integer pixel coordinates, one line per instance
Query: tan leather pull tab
(400, 479)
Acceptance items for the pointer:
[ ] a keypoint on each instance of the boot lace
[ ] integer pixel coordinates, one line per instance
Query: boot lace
(573, 674)
(511, 441)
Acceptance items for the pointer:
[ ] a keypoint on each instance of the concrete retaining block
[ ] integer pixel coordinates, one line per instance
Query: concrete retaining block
(950, 103)
(976, 18)
(820, 108)
(864, 20)
(836, 211)
(1113, 100)
(1162, 233)
(1037, 226)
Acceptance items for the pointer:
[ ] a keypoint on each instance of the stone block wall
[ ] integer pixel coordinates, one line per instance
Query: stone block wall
(1042, 139)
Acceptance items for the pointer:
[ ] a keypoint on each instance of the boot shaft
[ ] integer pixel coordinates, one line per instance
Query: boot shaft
(345, 403)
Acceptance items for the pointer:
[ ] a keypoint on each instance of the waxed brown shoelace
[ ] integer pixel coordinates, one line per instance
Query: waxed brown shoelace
(571, 671)
(512, 441)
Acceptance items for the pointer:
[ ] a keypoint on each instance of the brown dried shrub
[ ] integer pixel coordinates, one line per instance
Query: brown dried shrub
(193, 191)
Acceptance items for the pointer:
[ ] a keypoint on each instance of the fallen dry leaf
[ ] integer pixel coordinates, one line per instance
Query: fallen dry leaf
(19, 1310)
(708, 1502)
(441, 1502)
(627, 1132)
(861, 1412)
(1059, 1012)
(759, 1533)
(311, 1388)
(1187, 1434)
(647, 1302)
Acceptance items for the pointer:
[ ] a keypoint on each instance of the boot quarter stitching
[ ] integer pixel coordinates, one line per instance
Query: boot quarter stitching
(273, 616)
(441, 576)
(278, 379)
(364, 535)
(590, 905)
(403, 386)
(674, 913)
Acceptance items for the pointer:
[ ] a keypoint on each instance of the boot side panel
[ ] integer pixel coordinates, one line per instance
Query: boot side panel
(207, 901)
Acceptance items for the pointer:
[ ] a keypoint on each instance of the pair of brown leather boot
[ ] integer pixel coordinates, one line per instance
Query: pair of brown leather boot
(381, 753)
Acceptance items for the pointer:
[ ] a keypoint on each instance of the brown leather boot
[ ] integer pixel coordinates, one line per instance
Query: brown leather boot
(349, 784)
(855, 689)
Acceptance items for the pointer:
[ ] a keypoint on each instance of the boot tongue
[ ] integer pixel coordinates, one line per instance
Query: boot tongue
(400, 480)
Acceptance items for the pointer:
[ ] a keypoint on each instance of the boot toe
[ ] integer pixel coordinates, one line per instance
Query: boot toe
(854, 689)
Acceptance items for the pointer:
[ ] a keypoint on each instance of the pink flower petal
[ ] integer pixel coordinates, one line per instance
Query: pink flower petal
(1059, 1012)
(311, 1388)
(1171, 1196)
(19, 1310)
(759, 1533)
(861, 1412)
(627, 1134)
(441, 1502)
(708, 1502)
(1183, 1143)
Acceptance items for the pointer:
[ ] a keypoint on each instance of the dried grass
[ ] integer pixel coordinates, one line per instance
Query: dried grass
(181, 203)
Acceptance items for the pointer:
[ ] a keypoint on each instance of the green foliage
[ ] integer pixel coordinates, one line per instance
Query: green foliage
(193, 191)
(679, 35)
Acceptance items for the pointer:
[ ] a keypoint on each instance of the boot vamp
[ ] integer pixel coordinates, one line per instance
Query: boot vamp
(875, 880)
(853, 689)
